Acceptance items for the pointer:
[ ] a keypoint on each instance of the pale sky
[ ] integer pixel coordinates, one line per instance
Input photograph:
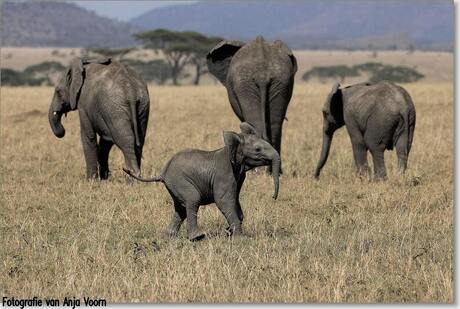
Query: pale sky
(123, 10)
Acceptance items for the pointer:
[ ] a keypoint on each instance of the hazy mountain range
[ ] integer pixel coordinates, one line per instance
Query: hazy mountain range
(383, 24)
(47, 23)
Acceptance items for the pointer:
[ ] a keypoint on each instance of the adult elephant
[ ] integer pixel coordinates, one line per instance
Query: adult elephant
(259, 77)
(113, 102)
(378, 116)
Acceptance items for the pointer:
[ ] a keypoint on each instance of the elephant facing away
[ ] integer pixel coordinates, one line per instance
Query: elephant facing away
(113, 102)
(378, 116)
(259, 77)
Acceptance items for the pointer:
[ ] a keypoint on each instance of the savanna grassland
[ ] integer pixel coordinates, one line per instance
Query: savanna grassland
(339, 239)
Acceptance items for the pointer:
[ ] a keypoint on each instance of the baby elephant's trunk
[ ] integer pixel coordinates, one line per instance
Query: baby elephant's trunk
(327, 140)
(276, 165)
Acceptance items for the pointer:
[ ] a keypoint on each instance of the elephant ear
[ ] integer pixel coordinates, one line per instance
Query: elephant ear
(76, 81)
(334, 104)
(283, 47)
(247, 128)
(76, 72)
(219, 58)
(232, 140)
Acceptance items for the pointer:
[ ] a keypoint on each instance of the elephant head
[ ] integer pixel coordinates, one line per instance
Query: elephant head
(332, 120)
(247, 151)
(67, 92)
(66, 96)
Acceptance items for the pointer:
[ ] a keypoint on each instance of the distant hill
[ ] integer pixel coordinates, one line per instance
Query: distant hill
(316, 24)
(60, 24)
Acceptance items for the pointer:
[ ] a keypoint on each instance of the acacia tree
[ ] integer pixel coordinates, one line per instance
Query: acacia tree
(200, 49)
(179, 49)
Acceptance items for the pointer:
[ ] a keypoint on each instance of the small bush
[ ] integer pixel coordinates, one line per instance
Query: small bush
(397, 74)
(369, 66)
(14, 78)
(377, 71)
(45, 67)
(336, 71)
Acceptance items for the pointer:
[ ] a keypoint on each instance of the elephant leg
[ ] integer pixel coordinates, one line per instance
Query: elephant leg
(193, 232)
(138, 151)
(402, 153)
(359, 150)
(124, 138)
(373, 139)
(234, 217)
(279, 96)
(234, 102)
(276, 136)
(89, 143)
(380, 172)
(276, 133)
(360, 157)
(239, 212)
(177, 219)
(103, 157)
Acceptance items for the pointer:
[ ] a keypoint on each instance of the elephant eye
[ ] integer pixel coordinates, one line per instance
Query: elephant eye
(258, 149)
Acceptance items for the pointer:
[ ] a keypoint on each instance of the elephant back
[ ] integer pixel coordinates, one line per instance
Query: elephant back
(262, 60)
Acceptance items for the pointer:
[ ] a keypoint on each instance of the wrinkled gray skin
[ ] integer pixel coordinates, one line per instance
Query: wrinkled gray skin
(259, 77)
(196, 177)
(377, 116)
(113, 102)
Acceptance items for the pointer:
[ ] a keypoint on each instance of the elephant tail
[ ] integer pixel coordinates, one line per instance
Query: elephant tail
(403, 130)
(133, 106)
(153, 179)
(266, 134)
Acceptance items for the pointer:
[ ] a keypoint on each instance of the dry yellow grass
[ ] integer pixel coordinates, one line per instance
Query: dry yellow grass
(334, 240)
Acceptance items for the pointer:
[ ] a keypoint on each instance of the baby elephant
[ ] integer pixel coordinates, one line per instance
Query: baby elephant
(378, 116)
(196, 177)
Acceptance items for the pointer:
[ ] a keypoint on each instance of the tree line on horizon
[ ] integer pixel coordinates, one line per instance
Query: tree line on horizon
(182, 49)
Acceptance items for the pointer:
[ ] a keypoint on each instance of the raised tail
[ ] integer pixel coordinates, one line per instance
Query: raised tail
(133, 106)
(153, 179)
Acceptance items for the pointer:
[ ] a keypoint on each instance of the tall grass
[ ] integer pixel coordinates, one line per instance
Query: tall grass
(339, 239)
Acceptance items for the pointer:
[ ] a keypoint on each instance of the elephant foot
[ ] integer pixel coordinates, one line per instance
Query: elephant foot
(233, 232)
(196, 236)
(364, 173)
(104, 175)
(169, 233)
(91, 175)
(380, 178)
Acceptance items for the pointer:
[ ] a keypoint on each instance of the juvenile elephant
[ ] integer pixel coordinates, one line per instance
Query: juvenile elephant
(259, 77)
(196, 177)
(113, 102)
(378, 116)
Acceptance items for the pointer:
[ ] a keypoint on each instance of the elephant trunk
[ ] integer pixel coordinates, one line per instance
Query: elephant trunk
(276, 166)
(327, 140)
(54, 117)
